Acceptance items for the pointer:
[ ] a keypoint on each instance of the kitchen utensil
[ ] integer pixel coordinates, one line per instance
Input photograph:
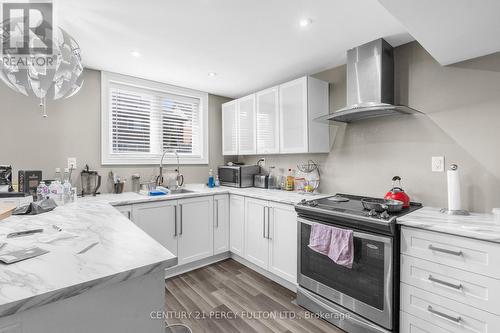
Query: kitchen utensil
(397, 193)
(118, 187)
(380, 205)
(6, 210)
(87, 248)
(91, 181)
(24, 233)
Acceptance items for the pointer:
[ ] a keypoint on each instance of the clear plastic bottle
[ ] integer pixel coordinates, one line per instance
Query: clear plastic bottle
(217, 181)
(42, 191)
(211, 179)
(67, 196)
(290, 180)
(56, 189)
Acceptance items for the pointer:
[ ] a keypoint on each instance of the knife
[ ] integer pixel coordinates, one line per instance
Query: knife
(24, 233)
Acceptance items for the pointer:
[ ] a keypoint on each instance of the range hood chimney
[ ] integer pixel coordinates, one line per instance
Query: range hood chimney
(370, 84)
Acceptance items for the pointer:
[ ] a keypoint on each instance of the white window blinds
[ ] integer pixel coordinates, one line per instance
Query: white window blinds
(140, 123)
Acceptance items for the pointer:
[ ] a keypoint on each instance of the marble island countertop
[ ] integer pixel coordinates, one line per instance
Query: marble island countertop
(123, 251)
(476, 225)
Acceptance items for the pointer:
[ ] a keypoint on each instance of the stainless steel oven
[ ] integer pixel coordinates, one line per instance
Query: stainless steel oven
(366, 289)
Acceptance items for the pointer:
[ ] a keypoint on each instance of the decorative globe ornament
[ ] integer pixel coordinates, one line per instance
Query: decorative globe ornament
(55, 75)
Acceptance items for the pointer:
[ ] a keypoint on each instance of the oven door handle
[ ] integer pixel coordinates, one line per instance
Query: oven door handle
(357, 234)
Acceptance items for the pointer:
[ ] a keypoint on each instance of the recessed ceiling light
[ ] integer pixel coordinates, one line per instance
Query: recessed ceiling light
(305, 22)
(212, 74)
(135, 53)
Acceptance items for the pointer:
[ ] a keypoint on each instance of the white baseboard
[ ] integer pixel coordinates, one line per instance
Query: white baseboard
(269, 275)
(177, 270)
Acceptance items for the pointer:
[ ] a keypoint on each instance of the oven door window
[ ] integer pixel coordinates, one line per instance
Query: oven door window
(363, 282)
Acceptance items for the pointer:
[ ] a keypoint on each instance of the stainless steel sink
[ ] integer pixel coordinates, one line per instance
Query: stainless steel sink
(181, 191)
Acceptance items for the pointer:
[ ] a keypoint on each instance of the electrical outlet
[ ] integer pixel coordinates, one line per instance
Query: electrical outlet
(71, 162)
(437, 163)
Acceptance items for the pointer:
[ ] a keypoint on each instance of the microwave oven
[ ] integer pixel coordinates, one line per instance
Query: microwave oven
(237, 175)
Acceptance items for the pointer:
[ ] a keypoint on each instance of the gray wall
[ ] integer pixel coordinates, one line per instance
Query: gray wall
(73, 130)
(462, 122)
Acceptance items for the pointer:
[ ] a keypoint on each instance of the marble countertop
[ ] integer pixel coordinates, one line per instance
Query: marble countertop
(476, 225)
(123, 251)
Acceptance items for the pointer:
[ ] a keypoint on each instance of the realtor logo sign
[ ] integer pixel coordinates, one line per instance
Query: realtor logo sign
(27, 33)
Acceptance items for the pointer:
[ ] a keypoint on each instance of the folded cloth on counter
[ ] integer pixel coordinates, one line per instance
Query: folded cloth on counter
(333, 242)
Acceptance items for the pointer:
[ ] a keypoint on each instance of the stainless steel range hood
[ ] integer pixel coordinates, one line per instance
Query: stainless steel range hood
(370, 84)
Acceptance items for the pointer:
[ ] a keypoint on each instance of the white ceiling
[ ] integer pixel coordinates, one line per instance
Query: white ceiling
(451, 30)
(250, 44)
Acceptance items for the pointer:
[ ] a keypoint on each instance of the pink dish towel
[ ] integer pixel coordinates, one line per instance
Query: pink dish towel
(333, 242)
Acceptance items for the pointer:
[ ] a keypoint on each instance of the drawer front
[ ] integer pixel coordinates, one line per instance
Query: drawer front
(462, 286)
(467, 254)
(446, 313)
(412, 324)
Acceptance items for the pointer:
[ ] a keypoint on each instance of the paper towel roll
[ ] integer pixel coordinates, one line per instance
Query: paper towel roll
(454, 199)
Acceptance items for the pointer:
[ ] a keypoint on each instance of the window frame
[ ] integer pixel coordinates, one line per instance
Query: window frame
(110, 158)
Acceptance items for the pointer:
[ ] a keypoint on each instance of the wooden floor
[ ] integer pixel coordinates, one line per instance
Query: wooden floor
(229, 297)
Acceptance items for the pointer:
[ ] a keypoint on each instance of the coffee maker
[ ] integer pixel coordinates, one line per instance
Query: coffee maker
(91, 181)
(6, 179)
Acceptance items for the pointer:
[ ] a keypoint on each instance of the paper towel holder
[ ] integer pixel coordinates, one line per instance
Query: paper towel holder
(461, 212)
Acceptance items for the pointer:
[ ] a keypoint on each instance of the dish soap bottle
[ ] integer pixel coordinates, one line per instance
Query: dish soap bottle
(211, 179)
(289, 181)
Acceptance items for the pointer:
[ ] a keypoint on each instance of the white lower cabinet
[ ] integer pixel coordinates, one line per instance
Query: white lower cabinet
(195, 230)
(221, 223)
(283, 241)
(256, 231)
(261, 231)
(158, 220)
(271, 237)
(448, 283)
(237, 224)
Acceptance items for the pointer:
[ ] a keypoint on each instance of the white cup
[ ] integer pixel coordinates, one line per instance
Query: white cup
(496, 212)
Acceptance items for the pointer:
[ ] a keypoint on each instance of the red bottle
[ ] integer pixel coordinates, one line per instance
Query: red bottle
(397, 193)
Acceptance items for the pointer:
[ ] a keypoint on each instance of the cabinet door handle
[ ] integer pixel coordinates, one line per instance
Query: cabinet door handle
(217, 214)
(268, 222)
(438, 249)
(129, 213)
(456, 319)
(180, 208)
(264, 222)
(175, 221)
(448, 284)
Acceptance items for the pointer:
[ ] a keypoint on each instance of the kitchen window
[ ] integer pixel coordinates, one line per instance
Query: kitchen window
(141, 119)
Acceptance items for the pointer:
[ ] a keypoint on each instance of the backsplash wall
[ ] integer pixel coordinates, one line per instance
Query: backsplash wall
(461, 106)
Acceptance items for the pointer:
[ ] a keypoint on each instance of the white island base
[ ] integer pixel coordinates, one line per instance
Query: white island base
(116, 308)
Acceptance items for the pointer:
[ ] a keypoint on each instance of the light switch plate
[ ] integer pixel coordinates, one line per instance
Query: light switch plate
(437, 163)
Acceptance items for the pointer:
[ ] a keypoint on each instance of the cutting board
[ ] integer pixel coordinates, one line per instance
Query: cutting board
(6, 210)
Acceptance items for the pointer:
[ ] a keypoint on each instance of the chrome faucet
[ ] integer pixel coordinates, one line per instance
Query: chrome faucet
(179, 178)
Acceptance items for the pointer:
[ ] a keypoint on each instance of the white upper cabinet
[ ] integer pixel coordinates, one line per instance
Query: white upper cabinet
(247, 143)
(293, 116)
(279, 120)
(268, 121)
(230, 128)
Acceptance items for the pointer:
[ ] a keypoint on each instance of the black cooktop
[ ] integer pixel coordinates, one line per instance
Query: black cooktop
(347, 210)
